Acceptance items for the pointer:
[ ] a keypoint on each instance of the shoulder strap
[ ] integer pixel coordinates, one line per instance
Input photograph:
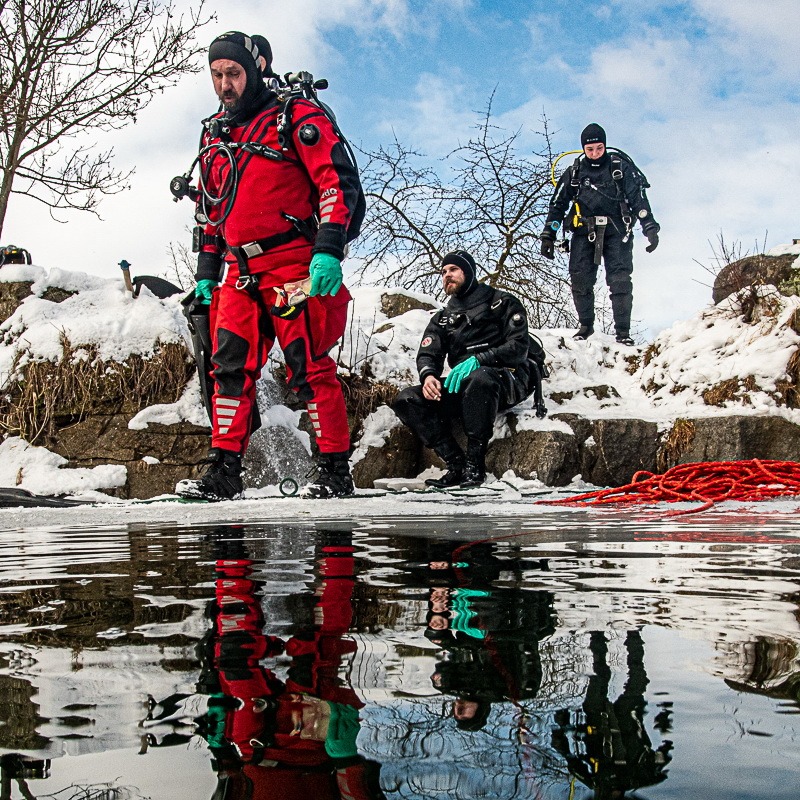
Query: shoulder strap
(574, 181)
(616, 170)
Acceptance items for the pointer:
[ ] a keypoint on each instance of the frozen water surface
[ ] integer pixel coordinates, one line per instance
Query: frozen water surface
(400, 649)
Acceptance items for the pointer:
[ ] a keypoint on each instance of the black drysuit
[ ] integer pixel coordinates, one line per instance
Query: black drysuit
(598, 195)
(490, 325)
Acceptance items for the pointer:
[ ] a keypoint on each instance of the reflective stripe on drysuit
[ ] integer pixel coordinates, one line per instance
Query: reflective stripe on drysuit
(242, 336)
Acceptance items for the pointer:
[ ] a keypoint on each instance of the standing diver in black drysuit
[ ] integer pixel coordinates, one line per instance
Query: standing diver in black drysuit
(607, 193)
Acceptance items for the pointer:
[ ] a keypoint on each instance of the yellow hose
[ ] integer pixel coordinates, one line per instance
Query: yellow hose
(576, 220)
(553, 166)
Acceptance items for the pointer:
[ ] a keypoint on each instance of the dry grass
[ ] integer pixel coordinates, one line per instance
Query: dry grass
(80, 383)
(632, 363)
(363, 395)
(789, 387)
(794, 321)
(651, 351)
(731, 389)
(674, 444)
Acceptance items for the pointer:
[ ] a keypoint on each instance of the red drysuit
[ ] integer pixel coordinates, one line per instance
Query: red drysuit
(263, 250)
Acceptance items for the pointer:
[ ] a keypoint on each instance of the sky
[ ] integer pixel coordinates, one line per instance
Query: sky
(703, 94)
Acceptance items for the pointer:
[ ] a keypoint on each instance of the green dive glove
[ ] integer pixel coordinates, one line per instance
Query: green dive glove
(203, 290)
(460, 371)
(326, 274)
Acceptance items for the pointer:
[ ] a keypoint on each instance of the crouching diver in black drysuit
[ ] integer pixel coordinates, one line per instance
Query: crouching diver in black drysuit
(483, 333)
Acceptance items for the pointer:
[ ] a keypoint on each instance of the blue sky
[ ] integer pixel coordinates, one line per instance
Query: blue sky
(703, 93)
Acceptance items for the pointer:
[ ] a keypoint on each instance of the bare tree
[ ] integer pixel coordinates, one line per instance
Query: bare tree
(70, 67)
(492, 202)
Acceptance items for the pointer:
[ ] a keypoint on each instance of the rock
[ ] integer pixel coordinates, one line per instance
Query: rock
(623, 447)
(11, 295)
(399, 457)
(394, 304)
(56, 295)
(752, 270)
(106, 439)
(741, 438)
(551, 456)
(275, 453)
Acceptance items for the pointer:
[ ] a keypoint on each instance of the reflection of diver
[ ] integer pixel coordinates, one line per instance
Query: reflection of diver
(269, 738)
(607, 747)
(21, 768)
(490, 634)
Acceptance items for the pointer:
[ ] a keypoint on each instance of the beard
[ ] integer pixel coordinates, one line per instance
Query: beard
(231, 102)
(452, 287)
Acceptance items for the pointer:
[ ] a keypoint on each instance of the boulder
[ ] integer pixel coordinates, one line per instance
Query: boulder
(739, 438)
(399, 457)
(106, 439)
(550, 456)
(753, 271)
(622, 448)
(394, 304)
(12, 293)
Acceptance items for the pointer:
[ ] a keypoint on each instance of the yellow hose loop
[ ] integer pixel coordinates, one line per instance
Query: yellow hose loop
(553, 166)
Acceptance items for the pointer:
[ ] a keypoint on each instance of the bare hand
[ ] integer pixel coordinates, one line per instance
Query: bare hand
(432, 388)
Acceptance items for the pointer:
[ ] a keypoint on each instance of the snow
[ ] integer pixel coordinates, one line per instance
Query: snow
(188, 408)
(101, 314)
(596, 379)
(784, 250)
(36, 469)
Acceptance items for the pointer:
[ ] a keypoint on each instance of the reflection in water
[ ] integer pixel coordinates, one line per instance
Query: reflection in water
(606, 744)
(294, 738)
(337, 662)
(490, 635)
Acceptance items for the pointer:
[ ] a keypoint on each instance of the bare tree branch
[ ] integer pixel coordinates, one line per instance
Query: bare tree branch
(483, 197)
(71, 67)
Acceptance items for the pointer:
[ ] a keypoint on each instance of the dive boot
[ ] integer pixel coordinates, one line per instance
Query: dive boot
(453, 457)
(583, 333)
(222, 479)
(624, 338)
(475, 471)
(331, 477)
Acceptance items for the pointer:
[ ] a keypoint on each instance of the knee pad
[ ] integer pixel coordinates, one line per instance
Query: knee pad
(229, 360)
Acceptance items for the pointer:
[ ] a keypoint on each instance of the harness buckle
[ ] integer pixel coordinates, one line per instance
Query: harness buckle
(601, 222)
(245, 281)
(252, 249)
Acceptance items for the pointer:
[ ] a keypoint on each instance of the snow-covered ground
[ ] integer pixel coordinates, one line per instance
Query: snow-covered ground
(660, 382)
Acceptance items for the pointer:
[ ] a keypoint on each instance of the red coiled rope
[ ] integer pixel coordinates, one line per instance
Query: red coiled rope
(707, 482)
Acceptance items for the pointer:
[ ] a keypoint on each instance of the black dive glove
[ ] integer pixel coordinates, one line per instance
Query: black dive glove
(652, 238)
(548, 248)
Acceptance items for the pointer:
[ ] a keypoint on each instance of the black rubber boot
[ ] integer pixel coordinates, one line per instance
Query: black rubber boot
(625, 338)
(222, 479)
(583, 332)
(452, 455)
(475, 471)
(332, 478)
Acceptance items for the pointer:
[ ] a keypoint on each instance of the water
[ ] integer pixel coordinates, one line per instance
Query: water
(584, 655)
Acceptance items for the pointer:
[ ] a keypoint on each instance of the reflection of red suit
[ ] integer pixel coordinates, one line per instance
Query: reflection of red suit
(333, 616)
(289, 768)
(240, 646)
